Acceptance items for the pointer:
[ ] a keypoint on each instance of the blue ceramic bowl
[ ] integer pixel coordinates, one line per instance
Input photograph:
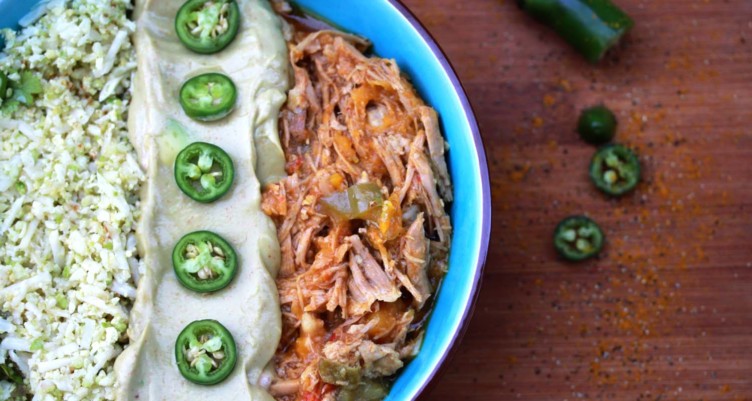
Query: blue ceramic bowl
(397, 34)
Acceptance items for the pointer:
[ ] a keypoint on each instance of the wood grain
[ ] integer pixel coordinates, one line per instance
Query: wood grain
(666, 313)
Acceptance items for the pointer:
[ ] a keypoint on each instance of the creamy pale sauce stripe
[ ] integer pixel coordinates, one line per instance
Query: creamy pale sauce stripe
(258, 64)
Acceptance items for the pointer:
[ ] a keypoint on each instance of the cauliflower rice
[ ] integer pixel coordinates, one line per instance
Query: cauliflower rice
(69, 186)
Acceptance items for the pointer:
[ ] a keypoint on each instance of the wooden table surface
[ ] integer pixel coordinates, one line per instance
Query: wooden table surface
(666, 313)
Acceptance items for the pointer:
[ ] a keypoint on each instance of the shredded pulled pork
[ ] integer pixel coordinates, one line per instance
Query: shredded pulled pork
(354, 290)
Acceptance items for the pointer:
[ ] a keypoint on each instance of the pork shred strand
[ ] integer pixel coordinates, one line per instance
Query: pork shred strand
(357, 285)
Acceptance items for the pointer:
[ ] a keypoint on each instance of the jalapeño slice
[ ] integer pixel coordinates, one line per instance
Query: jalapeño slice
(615, 170)
(578, 238)
(597, 125)
(205, 352)
(204, 172)
(207, 26)
(208, 97)
(204, 262)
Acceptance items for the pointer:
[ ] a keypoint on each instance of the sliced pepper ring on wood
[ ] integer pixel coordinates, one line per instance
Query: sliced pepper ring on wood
(615, 170)
(578, 238)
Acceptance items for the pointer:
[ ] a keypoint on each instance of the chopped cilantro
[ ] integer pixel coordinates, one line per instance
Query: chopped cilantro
(10, 373)
(37, 345)
(21, 188)
(61, 301)
(25, 88)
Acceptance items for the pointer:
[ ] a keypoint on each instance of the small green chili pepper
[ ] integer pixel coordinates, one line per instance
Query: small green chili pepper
(204, 262)
(207, 26)
(578, 238)
(204, 172)
(208, 97)
(205, 352)
(615, 170)
(590, 26)
(597, 125)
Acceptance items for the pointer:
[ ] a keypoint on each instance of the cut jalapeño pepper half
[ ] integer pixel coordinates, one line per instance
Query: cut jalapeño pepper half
(204, 172)
(204, 262)
(615, 170)
(205, 352)
(597, 125)
(208, 97)
(207, 26)
(578, 238)
(592, 27)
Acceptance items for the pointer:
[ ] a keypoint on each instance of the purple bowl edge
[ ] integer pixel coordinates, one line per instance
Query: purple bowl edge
(440, 369)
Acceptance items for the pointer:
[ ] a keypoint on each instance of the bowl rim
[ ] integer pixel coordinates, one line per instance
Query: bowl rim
(480, 153)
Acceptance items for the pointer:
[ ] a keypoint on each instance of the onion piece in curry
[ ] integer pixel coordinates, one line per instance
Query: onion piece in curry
(361, 221)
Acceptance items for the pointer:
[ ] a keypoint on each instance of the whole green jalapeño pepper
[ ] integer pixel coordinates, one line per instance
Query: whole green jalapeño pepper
(578, 238)
(208, 97)
(204, 262)
(204, 172)
(615, 170)
(205, 352)
(207, 26)
(590, 26)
